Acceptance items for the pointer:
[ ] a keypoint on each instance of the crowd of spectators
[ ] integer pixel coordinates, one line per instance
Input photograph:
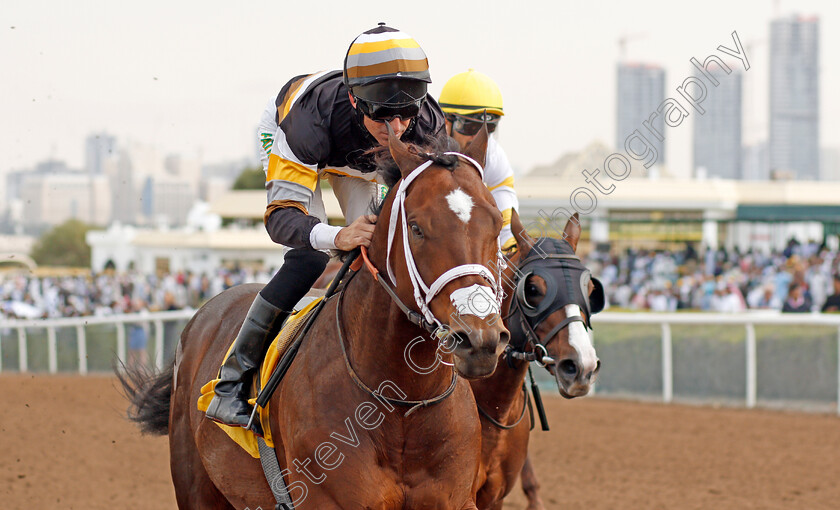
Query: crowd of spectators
(108, 293)
(801, 278)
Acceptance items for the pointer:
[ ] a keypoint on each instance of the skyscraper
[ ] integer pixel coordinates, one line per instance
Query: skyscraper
(794, 97)
(641, 89)
(98, 148)
(717, 132)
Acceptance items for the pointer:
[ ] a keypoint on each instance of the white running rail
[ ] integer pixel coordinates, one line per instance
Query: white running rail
(748, 320)
(665, 320)
(9, 326)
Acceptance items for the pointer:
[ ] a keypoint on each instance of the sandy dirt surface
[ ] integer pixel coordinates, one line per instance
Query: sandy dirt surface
(65, 444)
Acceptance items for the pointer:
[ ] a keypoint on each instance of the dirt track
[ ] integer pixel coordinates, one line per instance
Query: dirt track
(599, 454)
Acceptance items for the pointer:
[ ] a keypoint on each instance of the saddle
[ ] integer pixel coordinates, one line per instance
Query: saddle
(245, 438)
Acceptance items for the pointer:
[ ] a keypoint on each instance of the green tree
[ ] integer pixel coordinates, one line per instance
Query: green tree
(250, 178)
(64, 245)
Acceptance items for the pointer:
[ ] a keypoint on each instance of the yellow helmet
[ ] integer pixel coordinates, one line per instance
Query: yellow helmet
(471, 92)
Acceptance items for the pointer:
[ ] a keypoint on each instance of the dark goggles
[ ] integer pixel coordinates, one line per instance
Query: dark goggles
(386, 112)
(388, 99)
(470, 125)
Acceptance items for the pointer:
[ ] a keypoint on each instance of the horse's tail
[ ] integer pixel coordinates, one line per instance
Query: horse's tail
(148, 393)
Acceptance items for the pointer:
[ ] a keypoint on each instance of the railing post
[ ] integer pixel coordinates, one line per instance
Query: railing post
(121, 343)
(52, 354)
(159, 344)
(81, 345)
(23, 355)
(751, 366)
(667, 364)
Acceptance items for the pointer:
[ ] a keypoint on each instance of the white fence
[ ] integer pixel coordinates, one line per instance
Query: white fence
(747, 320)
(19, 328)
(664, 321)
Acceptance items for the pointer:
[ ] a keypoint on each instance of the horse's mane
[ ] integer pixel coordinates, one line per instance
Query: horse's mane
(432, 149)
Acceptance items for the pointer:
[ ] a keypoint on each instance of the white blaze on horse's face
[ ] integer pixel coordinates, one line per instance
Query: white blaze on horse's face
(461, 204)
(478, 300)
(580, 340)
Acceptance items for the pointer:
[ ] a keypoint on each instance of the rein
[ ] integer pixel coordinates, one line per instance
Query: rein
(414, 404)
(414, 317)
(526, 404)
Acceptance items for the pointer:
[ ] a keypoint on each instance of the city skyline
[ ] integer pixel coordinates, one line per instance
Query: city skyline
(794, 97)
(191, 79)
(718, 147)
(640, 89)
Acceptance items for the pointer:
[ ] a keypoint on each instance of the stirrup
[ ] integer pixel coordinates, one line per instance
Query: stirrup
(254, 424)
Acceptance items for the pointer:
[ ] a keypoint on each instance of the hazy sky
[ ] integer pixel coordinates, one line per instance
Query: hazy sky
(193, 77)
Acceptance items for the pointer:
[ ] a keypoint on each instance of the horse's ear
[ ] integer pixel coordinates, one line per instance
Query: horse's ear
(405, 159)
(572, 231)
(477, 149)
(524, 242)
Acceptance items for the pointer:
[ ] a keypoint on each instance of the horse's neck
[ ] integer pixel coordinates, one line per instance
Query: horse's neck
(501, 391)
(498, 394)
(377, 333)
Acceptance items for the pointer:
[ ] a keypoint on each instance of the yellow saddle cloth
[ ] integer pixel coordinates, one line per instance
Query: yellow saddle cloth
(246, 438)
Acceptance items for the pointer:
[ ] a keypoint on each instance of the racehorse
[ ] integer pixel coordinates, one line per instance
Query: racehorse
(353, 425)
(533, 293)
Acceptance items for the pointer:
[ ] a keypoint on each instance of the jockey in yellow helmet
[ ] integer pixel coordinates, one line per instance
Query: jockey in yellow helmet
(469, 100)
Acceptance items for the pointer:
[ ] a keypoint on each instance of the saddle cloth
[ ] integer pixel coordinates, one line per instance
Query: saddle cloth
(246, 438)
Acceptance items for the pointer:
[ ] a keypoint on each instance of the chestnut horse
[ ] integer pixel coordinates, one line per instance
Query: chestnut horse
(502, 398)
(353, 426)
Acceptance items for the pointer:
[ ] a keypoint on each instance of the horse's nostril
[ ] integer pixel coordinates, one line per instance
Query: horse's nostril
(568, 367)
(504, 338)
(597, 367)
(458, 339)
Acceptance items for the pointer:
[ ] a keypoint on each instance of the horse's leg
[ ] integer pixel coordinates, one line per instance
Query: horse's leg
(194, 490)
(530, 486)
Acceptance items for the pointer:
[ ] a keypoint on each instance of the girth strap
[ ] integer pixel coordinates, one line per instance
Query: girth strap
(274, 476)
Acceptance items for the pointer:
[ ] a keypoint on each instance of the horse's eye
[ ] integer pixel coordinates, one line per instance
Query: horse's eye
(533, 294)
(415, 229)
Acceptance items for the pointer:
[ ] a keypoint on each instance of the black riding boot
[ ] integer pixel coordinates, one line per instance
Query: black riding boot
(230, 404)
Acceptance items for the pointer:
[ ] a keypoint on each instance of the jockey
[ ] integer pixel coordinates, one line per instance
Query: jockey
(320, 126)
(469, 100)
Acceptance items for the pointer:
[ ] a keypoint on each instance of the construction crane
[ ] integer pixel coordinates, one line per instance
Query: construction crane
(624, 39)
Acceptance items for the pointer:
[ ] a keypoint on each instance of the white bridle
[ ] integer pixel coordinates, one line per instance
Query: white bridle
(423, 294)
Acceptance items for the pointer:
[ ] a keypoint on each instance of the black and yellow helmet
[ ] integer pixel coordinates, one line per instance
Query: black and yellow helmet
(387, 72)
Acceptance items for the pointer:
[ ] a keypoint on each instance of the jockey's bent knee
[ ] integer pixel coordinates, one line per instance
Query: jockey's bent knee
(300, 269)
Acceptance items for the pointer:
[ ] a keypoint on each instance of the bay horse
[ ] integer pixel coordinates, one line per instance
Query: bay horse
(341, 431)
(502, 397)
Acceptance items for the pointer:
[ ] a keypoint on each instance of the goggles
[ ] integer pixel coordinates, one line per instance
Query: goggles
(386, 112)
(386, 100)
(470, 125)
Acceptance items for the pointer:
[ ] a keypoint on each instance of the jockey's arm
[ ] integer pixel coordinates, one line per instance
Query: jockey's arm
(498, 176)
(291, 185)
